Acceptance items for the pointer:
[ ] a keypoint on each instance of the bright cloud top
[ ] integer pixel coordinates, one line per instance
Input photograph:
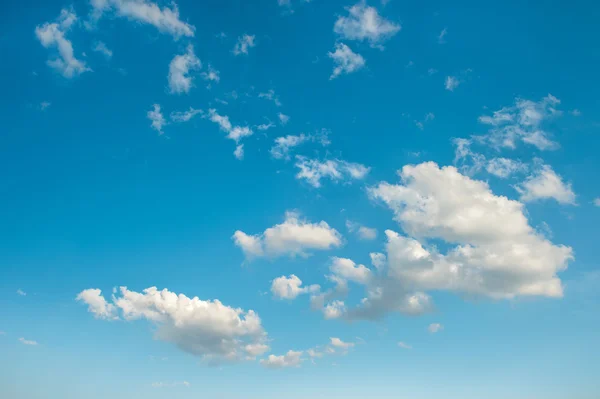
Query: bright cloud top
(293, 237)
(179, 79)
(345, 60)
(364, 23)
(544, 183)
(290, 287)
(208, 329)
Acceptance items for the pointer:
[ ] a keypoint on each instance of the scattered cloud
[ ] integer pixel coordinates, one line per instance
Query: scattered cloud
(442, 36)
(157, 118)
(211, 74)
(404, 345)
(290, 359)
(101, 48)
(185, 116)
(347, 270)
(235, 133)
(575, 112)
(432, 71)
(451, 83)
(283, 145)
(244, 43)
(21, 292)
(504, 167)
(265, 126)
(179, 79)
(283, 119)
(165, 19)
(544, 183)
(239, 152)
(290, 287)
(28, 342)
(345, 60)
(363, 232)
(53, 35)
(428, 118)
(523, 121)
(44, 105)
(293, 237)
(339, 344)
(271, 96)
(435, 327)
(208, 329)
(313, 171)
(597, 201)
(363, 23)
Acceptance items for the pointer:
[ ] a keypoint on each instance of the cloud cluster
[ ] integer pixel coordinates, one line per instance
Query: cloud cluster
(313, 170)
(293, 237)
(53, 35)
(208, 329)
(244, 43)
(364, 23)
(284, 144)
(235, 133)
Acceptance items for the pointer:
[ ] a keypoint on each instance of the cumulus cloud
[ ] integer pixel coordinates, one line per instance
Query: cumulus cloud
(345, 60)
(53, 35)
(244, 43)
(504, 167)
(158, 120)
(339, 344)
(290, 287)
(211, 74)
(290, 359)
(238, 153)
(544, 183)
(451, 83)
(97, 305)
(208, 329)
(364, 23)
(293, 237)
(165, 19)
(363, 232)
(524, 122)
(348, 270)
(185, 116)
(435, 327)
(313, 170)
(378, 260)
(179, 79)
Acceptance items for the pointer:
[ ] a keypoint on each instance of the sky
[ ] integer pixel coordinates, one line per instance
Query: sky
(299, 199)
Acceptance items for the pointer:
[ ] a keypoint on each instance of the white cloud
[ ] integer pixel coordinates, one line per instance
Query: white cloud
(211, 75)
(265, 126)
(339, 344)
(235, 133)
(442, 36)
(208, 329)
(179, 79)
(283, 145)
(451, 83)
(544, 183)
(365, 23)
(53, 35)
(334, 310)
(28, 342)
(363, 232)
(575, 112)
(166, 20)
(498, 255)
(313, 171)
(21, 292)
(597, 201)
(271, 96)
(239, 152)
(283, 118)
(290, 359)
(345, 60)
(378, 260)
(435, 327)
(348, 270)
(100, 47)
(404, 345)
(97, 305)
(293, 237)
(504, 167)
(290, 287)
(523, 121)
(185, 116)
(243, 44)
(157, 118)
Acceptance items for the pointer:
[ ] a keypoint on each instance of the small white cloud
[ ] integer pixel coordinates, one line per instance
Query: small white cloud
(504, 167)
(244, 43)
(53, 35)
(345, 60)
(28, 342)
(44, 105)
(442, 36)
(544, 183)
(21, 292)
(239, 152)
(339, 344)
(404, 345)
(157, 118)
(365, 23)
(313, 171)
(235, 133)
(597, 201)
(179, 79)
(211, 75)
(290, 287)
(348, 270)
(290, 359)
(432, 71)
(575, 112)
(185, 116)
(451, 83)
(363, 232)
(271, 96)
(283, 119)
(265, 126)
(435, 327)
(97, 304)
(292, 237)
(100, 47)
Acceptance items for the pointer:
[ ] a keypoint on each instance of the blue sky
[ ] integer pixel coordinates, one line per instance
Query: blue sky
(299, 199)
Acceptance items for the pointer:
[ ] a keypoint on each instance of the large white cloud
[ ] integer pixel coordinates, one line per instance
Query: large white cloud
(165, 19)
(208, 329)
(295, 236)
(53, 35)
(365, 23)
(179, 77)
